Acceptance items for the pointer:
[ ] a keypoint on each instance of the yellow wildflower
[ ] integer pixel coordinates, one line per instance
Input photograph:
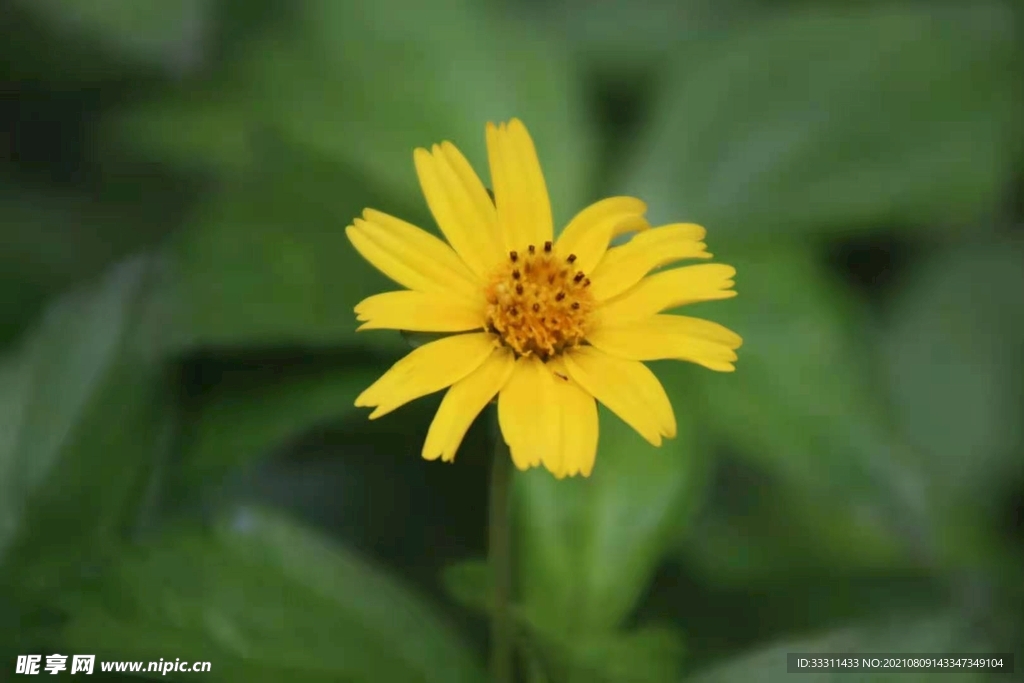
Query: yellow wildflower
(546, 325)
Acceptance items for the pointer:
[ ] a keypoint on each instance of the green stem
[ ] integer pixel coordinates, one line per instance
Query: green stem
(500, 555)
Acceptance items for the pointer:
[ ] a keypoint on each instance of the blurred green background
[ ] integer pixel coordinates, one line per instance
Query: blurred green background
(183, 475)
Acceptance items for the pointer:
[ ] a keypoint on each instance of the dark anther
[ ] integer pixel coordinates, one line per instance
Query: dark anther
(519, 289)
(586, 282)
(579, 276)
(536, 307)
(515, 274)
(559, 296)
(547, 246)
(571, 258)
(575, 305)
(514, 256)
(513, 311)
(561, 376)
(532, 249)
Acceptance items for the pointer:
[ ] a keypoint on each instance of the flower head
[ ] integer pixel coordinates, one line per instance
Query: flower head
(547, 325)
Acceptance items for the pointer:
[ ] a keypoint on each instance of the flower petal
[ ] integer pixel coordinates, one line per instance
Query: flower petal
(410, 256)
(460, 205)
(579, 426)
(674, 337)
(589, 232)
(432, 367)
(463, 403)
(628, 388)
(622, 267)
(529, 416)
(418, 312)
(670, 289)
(520, 193)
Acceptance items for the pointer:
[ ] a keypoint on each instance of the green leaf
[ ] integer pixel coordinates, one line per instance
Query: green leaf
(398, 55)
(936, 634)
(263, 599)
(85, 418)
(596, 36)
(588, 548)
(54, 240)
(469, 583)
(255, 409)
(650, 654)
(953, 348)
(802, 404)
(645, 655)
(266, 261)
(827, 119)
(756, 529)
(164, 32)
(206, 128)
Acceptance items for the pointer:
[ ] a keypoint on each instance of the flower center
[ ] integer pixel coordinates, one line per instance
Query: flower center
(537, 303)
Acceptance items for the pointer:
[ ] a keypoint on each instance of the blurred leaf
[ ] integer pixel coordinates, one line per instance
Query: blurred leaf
(49, 241)
(942, 633)
(266, 261)
(191, 126)
(366, 83)
(802, 401)
(650, 654)
(15, 380)
(953, 348)
(720, 619)
(756, 529)
(85, 416)
(165, 32)
(369, 82)
(266, 600)
(588, 547)
(645, 655)
(825, 119)
(596, 35)
(255, 409)
(469, 583)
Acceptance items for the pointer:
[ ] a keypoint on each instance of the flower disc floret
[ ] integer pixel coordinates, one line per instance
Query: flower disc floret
(538, 304)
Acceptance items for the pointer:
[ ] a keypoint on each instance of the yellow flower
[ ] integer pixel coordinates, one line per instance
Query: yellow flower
(546, 325)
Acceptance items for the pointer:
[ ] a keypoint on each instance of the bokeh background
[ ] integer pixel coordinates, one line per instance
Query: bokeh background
(183, 475)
